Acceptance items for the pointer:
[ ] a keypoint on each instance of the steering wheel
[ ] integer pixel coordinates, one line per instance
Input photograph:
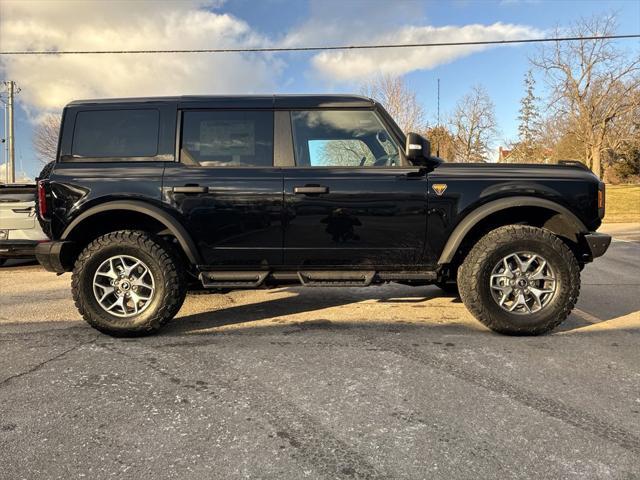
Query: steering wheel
(362, 162)
(384, 160)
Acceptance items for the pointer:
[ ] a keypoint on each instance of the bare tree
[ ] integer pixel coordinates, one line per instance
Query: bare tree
(398, 99)
(592, 84)
(474, 126)
(45, 138)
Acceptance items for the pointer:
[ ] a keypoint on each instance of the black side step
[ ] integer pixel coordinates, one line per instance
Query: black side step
(317, 278)
(408, 275)
(232, 279)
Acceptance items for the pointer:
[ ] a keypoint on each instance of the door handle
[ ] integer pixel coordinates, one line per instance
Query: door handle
(190, 189)
(306, 190)
(28, 210)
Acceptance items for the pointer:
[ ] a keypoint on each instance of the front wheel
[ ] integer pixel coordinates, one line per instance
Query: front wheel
(128, 283)
(520, 280)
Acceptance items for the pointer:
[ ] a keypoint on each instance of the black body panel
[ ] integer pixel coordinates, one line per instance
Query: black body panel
(387, 218)
(77, 186)
(470, 186)
(366, 216)
(236, 219)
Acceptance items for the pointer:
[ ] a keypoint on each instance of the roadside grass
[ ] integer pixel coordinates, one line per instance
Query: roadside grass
(623, 204)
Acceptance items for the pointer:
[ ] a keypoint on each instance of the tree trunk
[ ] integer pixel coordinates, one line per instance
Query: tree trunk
(595, 161)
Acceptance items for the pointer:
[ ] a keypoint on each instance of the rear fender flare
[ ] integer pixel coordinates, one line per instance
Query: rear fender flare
(175, 227)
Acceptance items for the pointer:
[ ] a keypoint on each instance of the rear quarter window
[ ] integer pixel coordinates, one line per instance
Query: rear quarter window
(116, 133)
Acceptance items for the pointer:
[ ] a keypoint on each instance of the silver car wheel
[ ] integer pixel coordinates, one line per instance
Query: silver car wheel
(123, 286)
(523, 283)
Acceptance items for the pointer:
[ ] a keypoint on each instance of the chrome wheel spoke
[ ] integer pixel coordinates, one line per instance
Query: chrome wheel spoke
(508, 272)
(128, 270)
(123, 286)
(118, 303)
(522, 283)
(106, 292)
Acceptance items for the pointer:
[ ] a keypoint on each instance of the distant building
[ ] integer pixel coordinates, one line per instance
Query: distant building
(503, 155)
(515, 155)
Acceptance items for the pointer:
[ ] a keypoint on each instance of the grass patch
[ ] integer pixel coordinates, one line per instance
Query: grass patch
(623, 203)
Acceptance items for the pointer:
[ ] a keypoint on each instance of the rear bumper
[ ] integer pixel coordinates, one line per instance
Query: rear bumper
(17, 248)
(55, 256)
(598, 243)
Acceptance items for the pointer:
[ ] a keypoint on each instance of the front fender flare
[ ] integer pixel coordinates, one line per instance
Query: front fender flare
(175, 227)
(480, 213)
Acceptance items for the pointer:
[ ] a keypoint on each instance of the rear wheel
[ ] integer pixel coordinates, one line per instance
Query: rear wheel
(128, 283)
(520, 280)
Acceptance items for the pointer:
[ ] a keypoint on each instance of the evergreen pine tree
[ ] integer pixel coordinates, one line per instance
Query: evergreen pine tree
(529, 127)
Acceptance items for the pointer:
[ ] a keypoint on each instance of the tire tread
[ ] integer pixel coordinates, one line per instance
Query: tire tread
(174, 280)
(471, 268)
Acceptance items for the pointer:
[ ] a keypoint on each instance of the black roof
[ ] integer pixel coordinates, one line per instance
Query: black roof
(243, 101)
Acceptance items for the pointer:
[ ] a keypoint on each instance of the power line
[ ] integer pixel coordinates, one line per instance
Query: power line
(317, 49)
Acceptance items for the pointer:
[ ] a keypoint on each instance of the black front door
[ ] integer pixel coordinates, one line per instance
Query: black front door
(226, 188)
(350, 200)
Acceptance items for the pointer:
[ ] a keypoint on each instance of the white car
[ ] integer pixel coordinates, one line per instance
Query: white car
(20, 230)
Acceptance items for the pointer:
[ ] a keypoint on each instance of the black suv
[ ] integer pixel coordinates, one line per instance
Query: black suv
(151, 197)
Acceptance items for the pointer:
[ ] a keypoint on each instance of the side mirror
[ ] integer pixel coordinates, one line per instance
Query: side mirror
(418, 149)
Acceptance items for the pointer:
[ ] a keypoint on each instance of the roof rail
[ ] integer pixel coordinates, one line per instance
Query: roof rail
(573, 163)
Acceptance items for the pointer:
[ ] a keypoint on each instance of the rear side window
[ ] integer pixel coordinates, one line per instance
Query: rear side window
(116, 133)
(239, 138)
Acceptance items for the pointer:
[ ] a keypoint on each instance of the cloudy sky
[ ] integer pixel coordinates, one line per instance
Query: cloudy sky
(48, 83)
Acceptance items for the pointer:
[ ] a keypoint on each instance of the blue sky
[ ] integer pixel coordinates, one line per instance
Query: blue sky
(47, 86)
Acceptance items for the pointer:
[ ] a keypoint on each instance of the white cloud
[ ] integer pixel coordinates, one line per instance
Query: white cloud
(49, 82)
(344, 66)
(21, 177)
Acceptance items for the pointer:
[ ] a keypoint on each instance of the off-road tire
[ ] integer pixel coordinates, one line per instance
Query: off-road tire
(164, 264)
(44, 174)
(474, 277)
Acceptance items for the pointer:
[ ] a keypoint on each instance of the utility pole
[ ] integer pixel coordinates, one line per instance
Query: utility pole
(11, 159)
(438, 137)
(5, 154)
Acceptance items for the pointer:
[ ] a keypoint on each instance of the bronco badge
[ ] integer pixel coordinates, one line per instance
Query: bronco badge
(439, 188)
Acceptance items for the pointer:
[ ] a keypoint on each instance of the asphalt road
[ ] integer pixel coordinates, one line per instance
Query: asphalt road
(382, 382)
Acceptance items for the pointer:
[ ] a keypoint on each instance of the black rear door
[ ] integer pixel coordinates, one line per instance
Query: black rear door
(226, 188)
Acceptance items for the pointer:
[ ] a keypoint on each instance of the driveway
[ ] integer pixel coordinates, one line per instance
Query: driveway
(381, 382)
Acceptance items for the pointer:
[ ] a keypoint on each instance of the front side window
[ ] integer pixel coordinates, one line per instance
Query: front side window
(116, 133)
(342, 138)
(227, 138)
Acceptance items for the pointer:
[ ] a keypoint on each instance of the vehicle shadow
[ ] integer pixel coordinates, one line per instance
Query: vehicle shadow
(291, 311)
(299, 300)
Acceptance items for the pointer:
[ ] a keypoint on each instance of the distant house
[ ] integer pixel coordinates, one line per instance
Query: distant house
(514, 155)
(503, 155)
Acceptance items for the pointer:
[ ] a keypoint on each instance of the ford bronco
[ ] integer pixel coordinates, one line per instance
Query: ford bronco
(151, 197)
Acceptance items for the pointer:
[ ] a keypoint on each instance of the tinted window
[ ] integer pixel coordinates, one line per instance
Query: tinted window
(116, 133)
(342, 138)
(227, 138)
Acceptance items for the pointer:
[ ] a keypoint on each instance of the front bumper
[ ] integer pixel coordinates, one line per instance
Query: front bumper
(56, 256)
(17, 248)
(597, 243)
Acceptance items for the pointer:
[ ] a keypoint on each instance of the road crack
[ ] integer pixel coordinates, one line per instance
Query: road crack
(38, 366)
